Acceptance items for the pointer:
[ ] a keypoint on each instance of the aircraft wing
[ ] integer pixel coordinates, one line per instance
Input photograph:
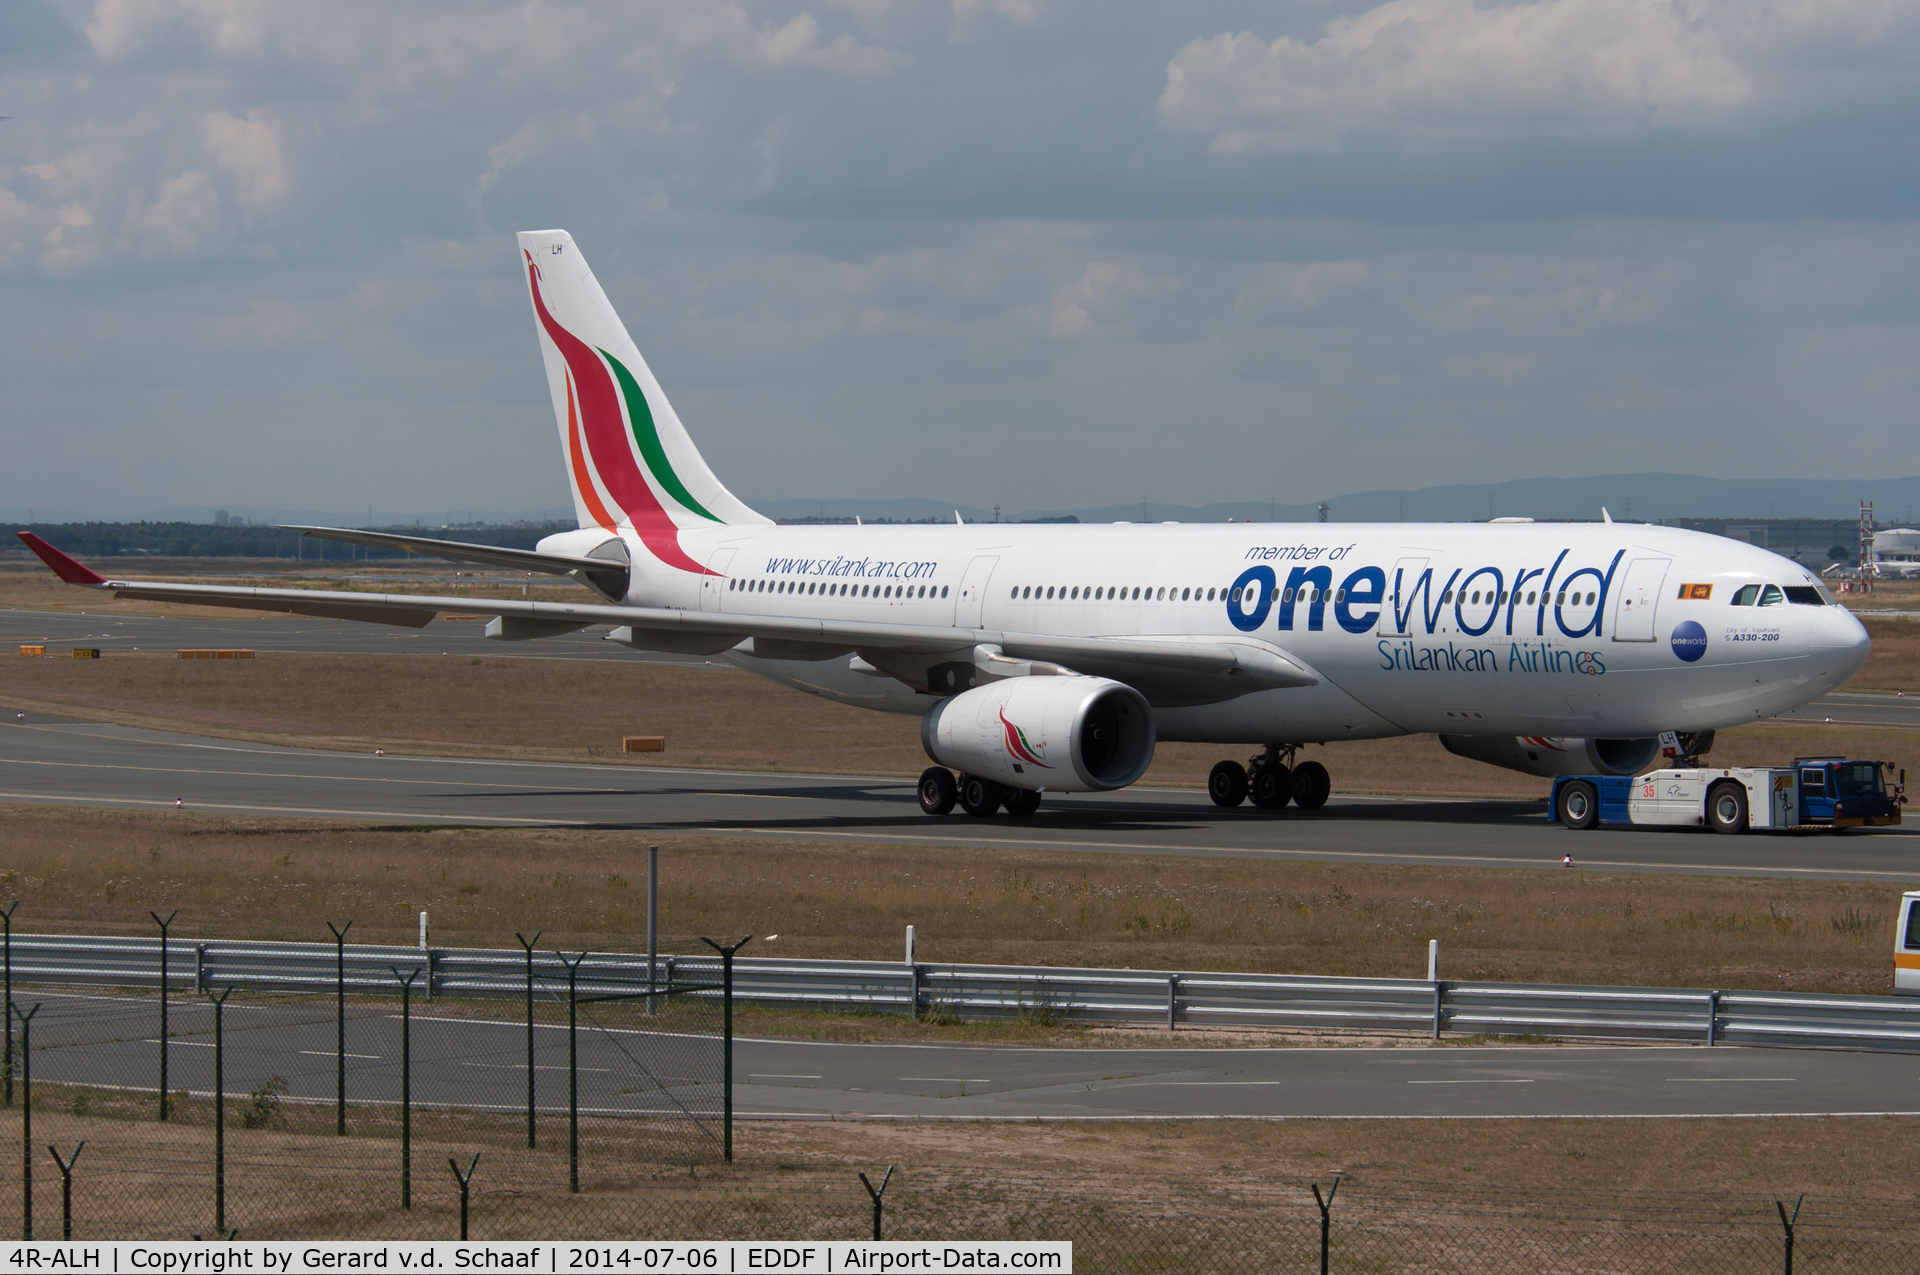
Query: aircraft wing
(1169, 670)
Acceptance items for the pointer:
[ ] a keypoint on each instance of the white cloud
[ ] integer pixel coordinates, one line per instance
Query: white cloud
(1071, 305)
(1448, 68)
(249, 149)
(795, 43)
(182, 219)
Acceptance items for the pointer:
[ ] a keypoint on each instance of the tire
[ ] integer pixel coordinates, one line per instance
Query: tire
(1021, 802)
(1312, 785)
(1727, 808)
(1227, 785)
(1271, 787)
(979, 797)
(938, 792)
(1578, 806)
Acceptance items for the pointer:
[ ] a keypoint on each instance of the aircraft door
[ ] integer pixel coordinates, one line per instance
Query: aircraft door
(971, 598)
(1633, 612)
(713, 588)
(1404, 593)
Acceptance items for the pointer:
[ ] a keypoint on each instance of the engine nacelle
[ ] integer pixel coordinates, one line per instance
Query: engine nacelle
(1551, 756)
(1063, 734)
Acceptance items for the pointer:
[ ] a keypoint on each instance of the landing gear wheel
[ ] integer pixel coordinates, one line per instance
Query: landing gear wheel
(979, 797)
(1311, 785)
(1227, 785)
(938, 792)
(1727, 808)
(1579, 805)
(1270, 786)
(1021, 802)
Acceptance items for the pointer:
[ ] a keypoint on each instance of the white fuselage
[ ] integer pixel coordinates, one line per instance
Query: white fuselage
(1445, 628)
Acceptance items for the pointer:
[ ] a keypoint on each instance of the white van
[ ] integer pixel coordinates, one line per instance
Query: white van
(1906, 946)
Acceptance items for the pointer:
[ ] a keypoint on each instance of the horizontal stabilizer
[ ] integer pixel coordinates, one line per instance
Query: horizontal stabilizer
(459, 551)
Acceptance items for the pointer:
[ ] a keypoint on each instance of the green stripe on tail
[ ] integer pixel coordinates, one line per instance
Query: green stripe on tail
(648, 437)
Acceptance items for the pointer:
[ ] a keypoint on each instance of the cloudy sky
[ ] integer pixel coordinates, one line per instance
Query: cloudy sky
(1033, 252)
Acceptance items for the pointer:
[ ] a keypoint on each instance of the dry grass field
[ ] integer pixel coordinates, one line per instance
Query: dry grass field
(100, 872)
(797, 1179)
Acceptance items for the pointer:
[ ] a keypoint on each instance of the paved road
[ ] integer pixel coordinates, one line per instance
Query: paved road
(112, 1040)
(61, 762)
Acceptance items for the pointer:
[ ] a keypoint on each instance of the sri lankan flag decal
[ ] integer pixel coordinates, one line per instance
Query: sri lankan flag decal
(1696, 592)
(1017, 746)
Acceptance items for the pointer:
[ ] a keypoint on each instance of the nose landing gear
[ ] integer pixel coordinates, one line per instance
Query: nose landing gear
(1271, 781)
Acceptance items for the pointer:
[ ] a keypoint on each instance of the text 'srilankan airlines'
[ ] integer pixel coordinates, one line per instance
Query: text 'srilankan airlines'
(1054, 657)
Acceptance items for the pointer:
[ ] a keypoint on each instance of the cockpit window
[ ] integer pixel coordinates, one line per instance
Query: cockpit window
(1859, 779)
(1771, 596)
(1802, 595)
(1747, 595)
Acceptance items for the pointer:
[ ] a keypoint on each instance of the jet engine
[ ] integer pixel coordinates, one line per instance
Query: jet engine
(1062, 734)
(1550, 755)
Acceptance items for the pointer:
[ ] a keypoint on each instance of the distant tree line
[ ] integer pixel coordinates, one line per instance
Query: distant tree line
(200, 540)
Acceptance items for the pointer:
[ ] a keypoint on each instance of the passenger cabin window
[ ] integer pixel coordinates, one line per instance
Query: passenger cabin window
(1913, 926)
(1771, 596)
(1747, 596)
(1801, 595)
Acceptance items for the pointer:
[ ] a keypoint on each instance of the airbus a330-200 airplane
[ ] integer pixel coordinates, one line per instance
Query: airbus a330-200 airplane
(1052, 658)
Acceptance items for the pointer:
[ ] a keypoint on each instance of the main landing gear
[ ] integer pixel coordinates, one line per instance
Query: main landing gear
(1271, 781)
(940, 791)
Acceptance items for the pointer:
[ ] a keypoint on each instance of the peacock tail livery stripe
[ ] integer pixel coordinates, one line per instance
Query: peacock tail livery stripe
(606, 439)
(648, 439)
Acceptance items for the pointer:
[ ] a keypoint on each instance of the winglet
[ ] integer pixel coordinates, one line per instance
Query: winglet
(1604, 515)
(63, 566)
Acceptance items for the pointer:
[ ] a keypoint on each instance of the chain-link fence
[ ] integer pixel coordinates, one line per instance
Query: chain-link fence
(218, 1107)
(141, 1179)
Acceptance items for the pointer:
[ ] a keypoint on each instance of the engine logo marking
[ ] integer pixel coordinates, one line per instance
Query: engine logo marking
(1019, 748)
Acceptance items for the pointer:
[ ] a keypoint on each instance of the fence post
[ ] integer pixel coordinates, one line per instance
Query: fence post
(66, 1187)
(219, 1109)
(1326, 1217)
(7, 916)
(653, 918)
(199, 967)
(726, 1053)
(1786, 1224)
(878, 1207)
(1173, 993)
(1439, 1006)
(528, 944)
(466, 1182)
(26, 1117)
(163, 1004)
(1713, 1018)
(573, 1069)
(340, 1026)
(406, 1086)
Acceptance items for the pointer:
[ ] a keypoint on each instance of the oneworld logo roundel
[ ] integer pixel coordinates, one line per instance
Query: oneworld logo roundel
(1689, 641)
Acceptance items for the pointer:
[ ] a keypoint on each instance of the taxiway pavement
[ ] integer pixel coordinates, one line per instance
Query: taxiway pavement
(480, 1063)
(51, 760)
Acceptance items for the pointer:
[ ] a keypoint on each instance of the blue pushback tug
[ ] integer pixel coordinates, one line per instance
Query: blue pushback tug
(1815, 792)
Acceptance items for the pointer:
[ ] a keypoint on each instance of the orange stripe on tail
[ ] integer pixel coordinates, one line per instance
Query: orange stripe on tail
(581, 478)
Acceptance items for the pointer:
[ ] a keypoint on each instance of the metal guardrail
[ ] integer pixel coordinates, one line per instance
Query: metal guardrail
(1166, 998)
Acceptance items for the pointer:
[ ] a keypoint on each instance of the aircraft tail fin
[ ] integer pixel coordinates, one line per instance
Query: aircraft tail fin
(629, 459)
